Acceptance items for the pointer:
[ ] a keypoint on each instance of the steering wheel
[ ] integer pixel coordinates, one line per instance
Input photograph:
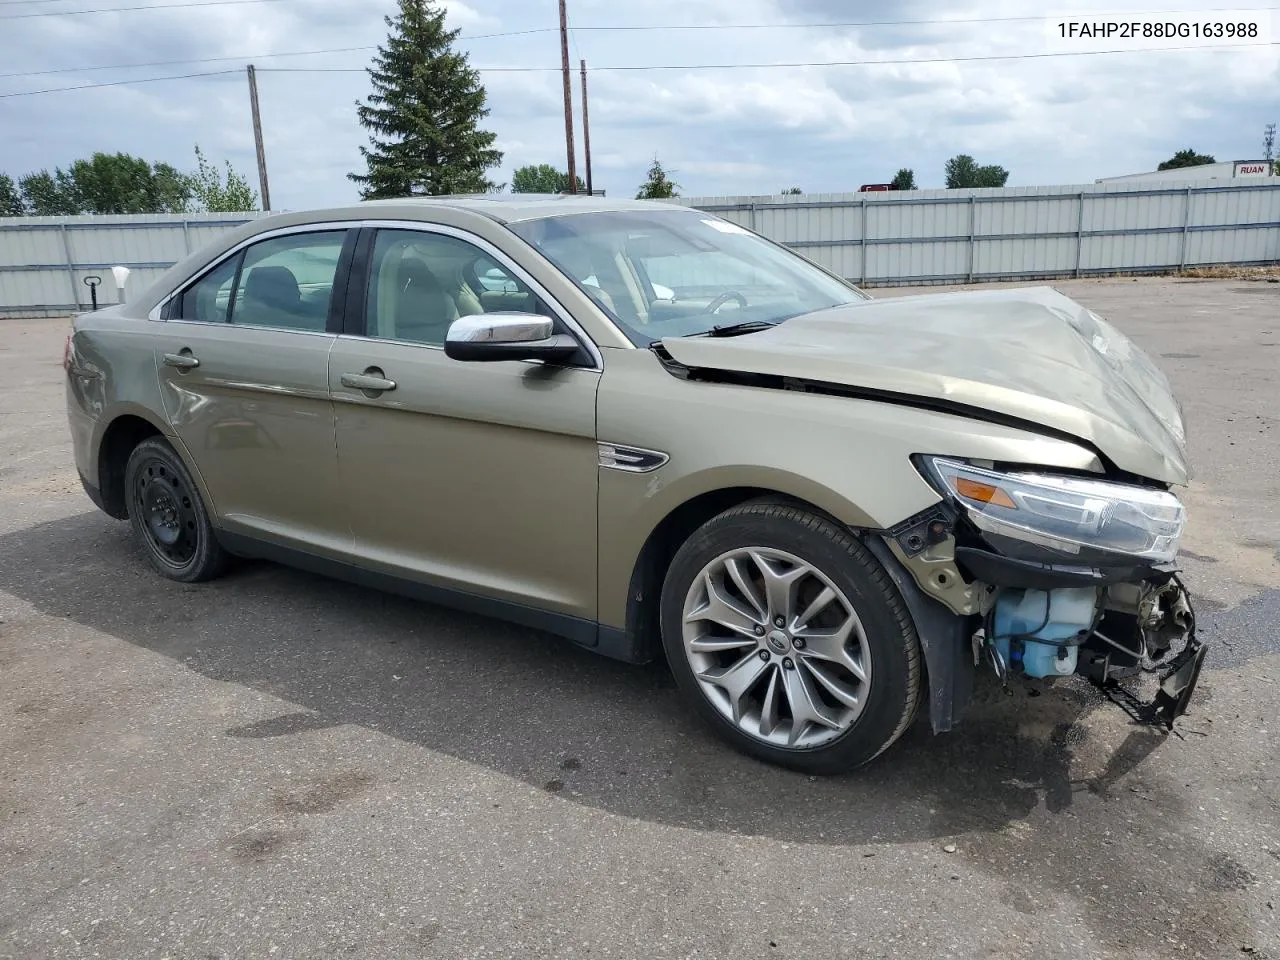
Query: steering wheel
(715, 305)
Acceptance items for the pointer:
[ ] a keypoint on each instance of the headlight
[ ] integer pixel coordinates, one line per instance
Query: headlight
(1067, 515)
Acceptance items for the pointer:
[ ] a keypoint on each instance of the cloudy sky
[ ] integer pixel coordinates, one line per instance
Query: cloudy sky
(755, 130)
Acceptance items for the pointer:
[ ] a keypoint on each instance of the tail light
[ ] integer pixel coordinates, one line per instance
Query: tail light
(66, 355)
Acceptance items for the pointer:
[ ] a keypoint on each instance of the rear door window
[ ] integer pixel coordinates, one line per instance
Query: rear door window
(284, 283)
(208, 299)
(287, 282)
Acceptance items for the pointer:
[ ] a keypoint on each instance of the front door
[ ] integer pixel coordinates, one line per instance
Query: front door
(475, 477)
(243, 366)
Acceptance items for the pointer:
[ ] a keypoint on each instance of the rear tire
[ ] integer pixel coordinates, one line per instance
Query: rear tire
(788, 638)
(168, 517)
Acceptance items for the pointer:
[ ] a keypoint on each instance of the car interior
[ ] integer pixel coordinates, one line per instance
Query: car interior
(420, 283)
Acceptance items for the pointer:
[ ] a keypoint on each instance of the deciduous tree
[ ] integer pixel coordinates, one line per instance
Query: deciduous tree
(542, 178)
(1186, 158)
(963, 171)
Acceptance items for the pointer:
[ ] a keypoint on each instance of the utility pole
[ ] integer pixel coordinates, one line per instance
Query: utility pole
(568, 98)
(257, 139)
(586, 128)
(1269, 141)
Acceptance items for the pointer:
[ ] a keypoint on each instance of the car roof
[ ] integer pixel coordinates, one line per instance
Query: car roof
(512, 208)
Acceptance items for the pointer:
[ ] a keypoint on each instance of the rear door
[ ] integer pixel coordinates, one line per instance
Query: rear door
(475, 477)
(243, 365)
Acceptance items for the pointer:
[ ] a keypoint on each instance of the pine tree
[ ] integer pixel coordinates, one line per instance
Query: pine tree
(657, 186)
(423, 113)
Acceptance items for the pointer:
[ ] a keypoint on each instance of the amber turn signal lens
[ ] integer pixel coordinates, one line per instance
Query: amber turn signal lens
(983, 492)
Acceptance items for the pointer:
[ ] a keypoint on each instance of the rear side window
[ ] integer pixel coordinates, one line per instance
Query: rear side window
(208, 299)
(288, 281)
(285, 283)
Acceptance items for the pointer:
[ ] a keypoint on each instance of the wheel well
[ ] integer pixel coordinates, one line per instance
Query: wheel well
(645, 591)
(122, 436)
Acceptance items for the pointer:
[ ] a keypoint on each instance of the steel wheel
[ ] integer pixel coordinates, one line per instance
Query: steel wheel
(166, 506)
(776, 647)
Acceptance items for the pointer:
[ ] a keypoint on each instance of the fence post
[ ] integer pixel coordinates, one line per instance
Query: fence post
(751, 211)
(862, 245)
(1079, 232)
(973, 246)
(186, 236)
(71, 269)
(1186, 222)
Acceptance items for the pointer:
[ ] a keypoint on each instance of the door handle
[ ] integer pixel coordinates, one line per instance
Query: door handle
(367, 382)
(183, 361)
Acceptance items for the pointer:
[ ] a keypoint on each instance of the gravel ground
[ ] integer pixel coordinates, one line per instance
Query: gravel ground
(276, 765)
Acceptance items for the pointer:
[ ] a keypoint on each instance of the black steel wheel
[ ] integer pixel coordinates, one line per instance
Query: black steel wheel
(168, 517)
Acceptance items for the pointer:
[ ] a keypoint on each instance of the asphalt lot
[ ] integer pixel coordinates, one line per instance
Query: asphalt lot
(277, 765)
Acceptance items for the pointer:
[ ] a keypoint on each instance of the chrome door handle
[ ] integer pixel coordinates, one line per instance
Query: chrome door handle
(364, 381)
(183, 361)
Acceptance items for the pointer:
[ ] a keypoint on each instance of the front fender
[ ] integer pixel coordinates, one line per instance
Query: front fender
(850, 458)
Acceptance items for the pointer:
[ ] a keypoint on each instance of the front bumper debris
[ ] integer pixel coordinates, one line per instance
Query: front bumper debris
(1177, 685)
(1178, 675)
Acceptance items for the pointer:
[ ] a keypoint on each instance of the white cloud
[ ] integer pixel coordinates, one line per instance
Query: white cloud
(1062, 120)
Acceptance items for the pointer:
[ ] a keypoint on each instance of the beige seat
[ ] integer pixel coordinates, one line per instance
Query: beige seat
(423, 310)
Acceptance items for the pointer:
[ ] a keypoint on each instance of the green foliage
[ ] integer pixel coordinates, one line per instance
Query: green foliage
(106, 184)
(1186, 158)
(542, 178)
(656, 185)
(120, 183)
(49, 195)
(963, 171)
(904, 179)
(10, 200)
(792, 192)
(220, 192)
(424, 112)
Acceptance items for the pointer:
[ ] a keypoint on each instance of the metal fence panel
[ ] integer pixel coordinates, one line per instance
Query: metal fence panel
(935, 236)
(874, 238)
(44, 260)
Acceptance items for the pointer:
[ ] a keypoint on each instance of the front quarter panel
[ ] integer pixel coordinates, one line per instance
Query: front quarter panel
(847, 457)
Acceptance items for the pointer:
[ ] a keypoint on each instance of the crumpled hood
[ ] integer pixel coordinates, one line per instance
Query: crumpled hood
(1029, 353)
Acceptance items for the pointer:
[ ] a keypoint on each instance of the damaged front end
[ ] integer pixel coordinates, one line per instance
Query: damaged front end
(1044, 575)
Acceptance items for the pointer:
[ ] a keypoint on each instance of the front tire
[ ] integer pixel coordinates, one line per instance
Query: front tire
(788, 638)
(168, 517)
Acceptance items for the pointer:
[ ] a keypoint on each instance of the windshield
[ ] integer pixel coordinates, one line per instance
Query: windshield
(680, 272)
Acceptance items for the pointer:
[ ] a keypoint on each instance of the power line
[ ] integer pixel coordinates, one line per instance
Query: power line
(905, 23)
(155, 6)
(673, 66)
(117, 83)
(482, 36)
(172, 63)
(811, 63)
(646, 27)
(240, 58)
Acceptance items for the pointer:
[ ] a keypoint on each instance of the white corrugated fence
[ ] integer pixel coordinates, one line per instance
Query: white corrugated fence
(949, 236)
(45, 260)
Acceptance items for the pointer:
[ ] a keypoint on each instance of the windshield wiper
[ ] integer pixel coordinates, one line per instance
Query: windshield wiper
(733, 329)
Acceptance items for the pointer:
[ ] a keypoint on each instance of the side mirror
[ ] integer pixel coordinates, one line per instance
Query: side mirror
(508, 336)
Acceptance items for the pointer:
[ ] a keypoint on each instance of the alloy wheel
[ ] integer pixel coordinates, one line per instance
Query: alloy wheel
(777, 647)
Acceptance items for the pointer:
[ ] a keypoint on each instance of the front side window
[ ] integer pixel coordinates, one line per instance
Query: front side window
(420, 282)
(284, 282)
(680, 272)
